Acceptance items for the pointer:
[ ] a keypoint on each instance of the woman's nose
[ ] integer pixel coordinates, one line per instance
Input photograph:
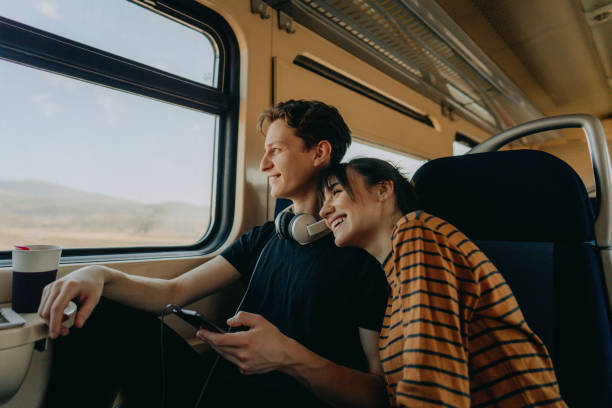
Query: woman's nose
(326, 209)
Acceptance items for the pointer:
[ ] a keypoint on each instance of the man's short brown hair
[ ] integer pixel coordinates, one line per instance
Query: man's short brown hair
(313, 122)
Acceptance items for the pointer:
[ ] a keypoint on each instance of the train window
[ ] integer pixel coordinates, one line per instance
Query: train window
(462, 144)
(88, 166)
(460, 148)
(407, 163)
(108, 157)
(126, 29)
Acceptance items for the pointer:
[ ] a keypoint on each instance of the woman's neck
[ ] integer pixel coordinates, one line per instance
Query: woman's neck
(380, 246)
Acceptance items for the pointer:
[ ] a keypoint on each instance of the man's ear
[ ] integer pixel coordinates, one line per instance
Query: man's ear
(322, 152)
(385, 189)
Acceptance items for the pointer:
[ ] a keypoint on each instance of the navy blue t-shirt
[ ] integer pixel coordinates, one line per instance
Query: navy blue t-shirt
(317, 294)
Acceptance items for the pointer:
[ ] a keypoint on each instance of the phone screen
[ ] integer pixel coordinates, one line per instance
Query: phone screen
(196, 319)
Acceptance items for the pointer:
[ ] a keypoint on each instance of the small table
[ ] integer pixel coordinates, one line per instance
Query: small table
(16, 346)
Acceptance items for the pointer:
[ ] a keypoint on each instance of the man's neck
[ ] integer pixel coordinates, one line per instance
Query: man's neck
(307, 204)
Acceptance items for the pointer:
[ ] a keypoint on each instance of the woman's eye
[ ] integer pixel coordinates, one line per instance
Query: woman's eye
(336, 191)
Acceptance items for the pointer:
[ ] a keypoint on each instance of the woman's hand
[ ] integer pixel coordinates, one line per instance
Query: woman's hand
(260, 349)
(86, 284)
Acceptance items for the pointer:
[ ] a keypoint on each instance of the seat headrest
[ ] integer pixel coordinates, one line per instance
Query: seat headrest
(519, 195)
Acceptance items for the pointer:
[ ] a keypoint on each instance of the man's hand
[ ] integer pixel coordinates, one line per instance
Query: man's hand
(260, 349)
(86, 284)
(264, 348)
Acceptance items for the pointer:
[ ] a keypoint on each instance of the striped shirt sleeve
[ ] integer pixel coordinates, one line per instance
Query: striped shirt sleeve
(434, 370)
(453, 334)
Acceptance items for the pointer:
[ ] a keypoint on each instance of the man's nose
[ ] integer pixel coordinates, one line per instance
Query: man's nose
(265, 163)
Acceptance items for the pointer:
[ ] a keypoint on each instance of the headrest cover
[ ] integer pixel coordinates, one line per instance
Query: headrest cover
(519, 195)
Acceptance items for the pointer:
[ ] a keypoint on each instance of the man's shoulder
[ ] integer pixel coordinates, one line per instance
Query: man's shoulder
(263, 231)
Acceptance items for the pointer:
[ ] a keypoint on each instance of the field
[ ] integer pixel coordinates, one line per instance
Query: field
(33, 212)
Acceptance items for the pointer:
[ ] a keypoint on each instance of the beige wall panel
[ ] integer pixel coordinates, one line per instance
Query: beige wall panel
(367, 119)
(576, 152)
(468, 129)
(304, 42)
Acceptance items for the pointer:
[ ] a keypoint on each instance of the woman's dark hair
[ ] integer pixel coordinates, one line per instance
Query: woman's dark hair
(373, 171)
(313, 122)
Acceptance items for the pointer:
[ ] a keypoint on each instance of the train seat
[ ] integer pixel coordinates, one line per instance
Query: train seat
(280, 205)
(530, 213)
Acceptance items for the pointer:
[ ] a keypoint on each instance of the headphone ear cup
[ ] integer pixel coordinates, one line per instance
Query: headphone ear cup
(298, 228)
(282, 222)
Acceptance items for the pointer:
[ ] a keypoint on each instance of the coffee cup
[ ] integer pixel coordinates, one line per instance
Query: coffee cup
(34, 267)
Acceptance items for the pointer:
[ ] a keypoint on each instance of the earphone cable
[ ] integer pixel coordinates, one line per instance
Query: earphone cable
(246, 291)
(214, 365)
(161, 346)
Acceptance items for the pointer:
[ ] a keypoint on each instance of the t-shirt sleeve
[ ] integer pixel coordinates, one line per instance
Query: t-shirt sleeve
(372, 294)
(243, 253)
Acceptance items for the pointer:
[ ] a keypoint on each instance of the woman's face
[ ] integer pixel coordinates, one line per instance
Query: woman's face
(353, 220)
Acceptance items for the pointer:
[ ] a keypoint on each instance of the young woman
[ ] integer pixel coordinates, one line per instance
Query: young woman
(453, 334)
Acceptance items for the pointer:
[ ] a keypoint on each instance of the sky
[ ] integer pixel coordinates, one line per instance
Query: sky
(72, 133)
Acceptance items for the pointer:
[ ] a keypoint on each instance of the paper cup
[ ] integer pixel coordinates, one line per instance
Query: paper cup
(34, 267)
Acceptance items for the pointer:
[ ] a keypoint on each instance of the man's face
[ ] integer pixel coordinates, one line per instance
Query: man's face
(288, 163)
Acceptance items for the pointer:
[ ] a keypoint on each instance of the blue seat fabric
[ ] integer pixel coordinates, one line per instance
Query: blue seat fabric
(280, 205)
(530, 213)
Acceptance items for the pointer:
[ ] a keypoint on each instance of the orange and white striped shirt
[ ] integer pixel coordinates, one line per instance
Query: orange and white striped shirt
(453, 334)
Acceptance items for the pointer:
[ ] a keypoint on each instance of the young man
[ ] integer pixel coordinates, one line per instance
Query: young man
(312, 312)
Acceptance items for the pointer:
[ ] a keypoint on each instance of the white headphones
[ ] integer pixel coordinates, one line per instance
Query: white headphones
(302, 228)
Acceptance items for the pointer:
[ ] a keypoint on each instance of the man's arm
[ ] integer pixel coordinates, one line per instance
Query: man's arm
(264, 348)
(89, 283)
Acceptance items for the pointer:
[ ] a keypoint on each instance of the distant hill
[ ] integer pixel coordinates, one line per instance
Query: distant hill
(34, 204)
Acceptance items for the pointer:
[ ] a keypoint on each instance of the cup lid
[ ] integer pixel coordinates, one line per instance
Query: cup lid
(36, 247)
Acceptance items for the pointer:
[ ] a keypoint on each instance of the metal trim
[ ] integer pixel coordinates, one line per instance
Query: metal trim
(600, 157)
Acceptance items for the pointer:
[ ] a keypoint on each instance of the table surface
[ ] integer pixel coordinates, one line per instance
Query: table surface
(34, 329)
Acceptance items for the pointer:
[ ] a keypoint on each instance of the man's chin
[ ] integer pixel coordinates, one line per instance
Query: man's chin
(278, 193)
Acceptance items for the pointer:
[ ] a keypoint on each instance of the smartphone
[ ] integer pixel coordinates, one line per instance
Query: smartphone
(9, 319)
(196, 319)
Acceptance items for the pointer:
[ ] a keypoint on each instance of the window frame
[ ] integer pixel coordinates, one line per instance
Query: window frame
(38, 49)
(465, 140)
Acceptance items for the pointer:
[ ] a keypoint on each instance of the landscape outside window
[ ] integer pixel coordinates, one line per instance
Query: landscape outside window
(86, 166)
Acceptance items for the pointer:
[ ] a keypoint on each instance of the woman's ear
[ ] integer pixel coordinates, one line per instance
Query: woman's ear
(322, 152)
(385, 189)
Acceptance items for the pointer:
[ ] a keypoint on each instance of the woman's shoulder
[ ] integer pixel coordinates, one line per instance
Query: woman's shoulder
(420, 223)
(418, 218)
